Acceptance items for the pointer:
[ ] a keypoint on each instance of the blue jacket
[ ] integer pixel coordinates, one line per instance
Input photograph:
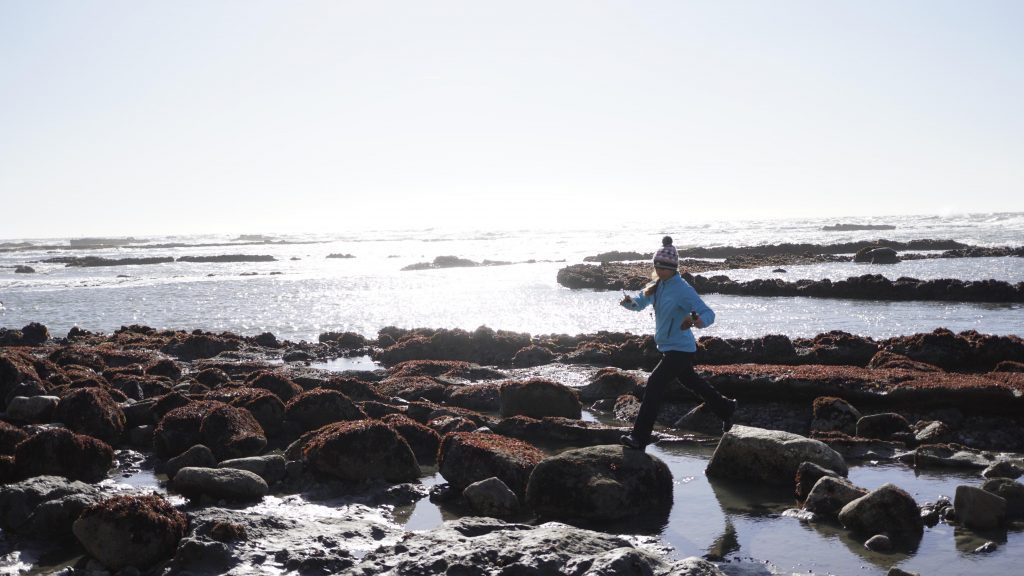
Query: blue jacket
(673, 301)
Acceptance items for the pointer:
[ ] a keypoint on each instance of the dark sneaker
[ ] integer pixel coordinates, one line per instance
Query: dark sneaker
(628, 441)
(729, 410)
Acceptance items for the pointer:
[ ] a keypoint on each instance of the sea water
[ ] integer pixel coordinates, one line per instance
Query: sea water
(304, 293)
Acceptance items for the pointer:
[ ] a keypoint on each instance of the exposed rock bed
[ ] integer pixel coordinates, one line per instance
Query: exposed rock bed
(229, 420)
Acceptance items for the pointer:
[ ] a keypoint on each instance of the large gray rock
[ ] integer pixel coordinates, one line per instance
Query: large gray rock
(198, 456)
(887, 509)
(1003, 469)
(44, 506)
(599, 483)
(476, 545)
(220, 483)
(769, 456)
(1011, 491)
(491, 497)
(270, 467)
(976, 508)
(32, 409)
(830, 494)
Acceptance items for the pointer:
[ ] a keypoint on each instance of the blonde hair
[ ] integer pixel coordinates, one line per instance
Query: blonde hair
(652, 287)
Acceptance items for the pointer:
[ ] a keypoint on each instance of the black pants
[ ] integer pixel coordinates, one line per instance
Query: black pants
(672, 365)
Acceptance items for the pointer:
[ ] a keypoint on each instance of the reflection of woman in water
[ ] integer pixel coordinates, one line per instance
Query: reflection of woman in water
(677, 308)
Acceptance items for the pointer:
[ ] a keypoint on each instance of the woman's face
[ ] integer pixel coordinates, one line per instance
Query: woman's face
(664, 273)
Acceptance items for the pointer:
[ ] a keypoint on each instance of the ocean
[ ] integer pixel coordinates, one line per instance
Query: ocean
(303, 293)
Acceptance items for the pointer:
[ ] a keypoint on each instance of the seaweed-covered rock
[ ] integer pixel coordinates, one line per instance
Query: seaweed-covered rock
(61, 452)
(533, 355)
(468, 457)
(231, 433)
(484, 396)
(263, 404)
(197, 346)
(361, 450)
(137, 531)
(91, 411)
(769, 456)
(282, 386)
(832, 414)
(537, 398)
(609, 383)
(887, 509)
(599, 483)
(423, 440)
(10, 437)
(318, 407)
(179, 429)
(413, 388)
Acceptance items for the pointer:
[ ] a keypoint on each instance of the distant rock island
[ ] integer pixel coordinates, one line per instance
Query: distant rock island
(852, 227)
(100, 242)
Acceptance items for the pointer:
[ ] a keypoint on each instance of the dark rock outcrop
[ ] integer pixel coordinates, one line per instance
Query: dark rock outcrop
(231, 432)
(887, 509)
(599, 483)
(318, 407)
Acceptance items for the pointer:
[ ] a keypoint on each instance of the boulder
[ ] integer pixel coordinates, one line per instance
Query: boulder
(198, 456)
(979, 509)
(807, 475)
(137, 531)
(212, 377)
(887, 509)
(468, 457)
(263, 404)
(318, 407)
(610, 383)
(198, 346)
(423, 440)
(33, 409)
(271, 468)
(61, 452)
(830, 494)
(882, 426)
(231, 433)
(1003, 469)
(220, 483)
(361, 450)
(935, 432)
(179, 429)
(484, 397)
(769, 456)
(599, 483)
(537, 398)
(532, 355)
(93, 412)
(279, 384)
(491, 497)
(834, 415)
(413, 388)
(1009, 490)
(42, 506)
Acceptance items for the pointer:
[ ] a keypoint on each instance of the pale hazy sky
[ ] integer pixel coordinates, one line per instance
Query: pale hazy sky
(140, 117)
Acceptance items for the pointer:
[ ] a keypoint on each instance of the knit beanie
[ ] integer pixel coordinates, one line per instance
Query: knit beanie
(667, 257)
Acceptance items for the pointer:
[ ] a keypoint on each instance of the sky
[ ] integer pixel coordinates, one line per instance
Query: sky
(137, 117)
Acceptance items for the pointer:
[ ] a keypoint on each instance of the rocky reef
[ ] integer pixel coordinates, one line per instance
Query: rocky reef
(242, 428)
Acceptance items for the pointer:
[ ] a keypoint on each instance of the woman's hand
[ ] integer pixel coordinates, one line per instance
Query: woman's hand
(691, 321)
(627, 300)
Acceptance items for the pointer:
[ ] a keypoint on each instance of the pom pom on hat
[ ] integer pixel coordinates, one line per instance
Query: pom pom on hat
(667, 257)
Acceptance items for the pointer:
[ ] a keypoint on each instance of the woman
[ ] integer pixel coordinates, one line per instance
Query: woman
(677, 308)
